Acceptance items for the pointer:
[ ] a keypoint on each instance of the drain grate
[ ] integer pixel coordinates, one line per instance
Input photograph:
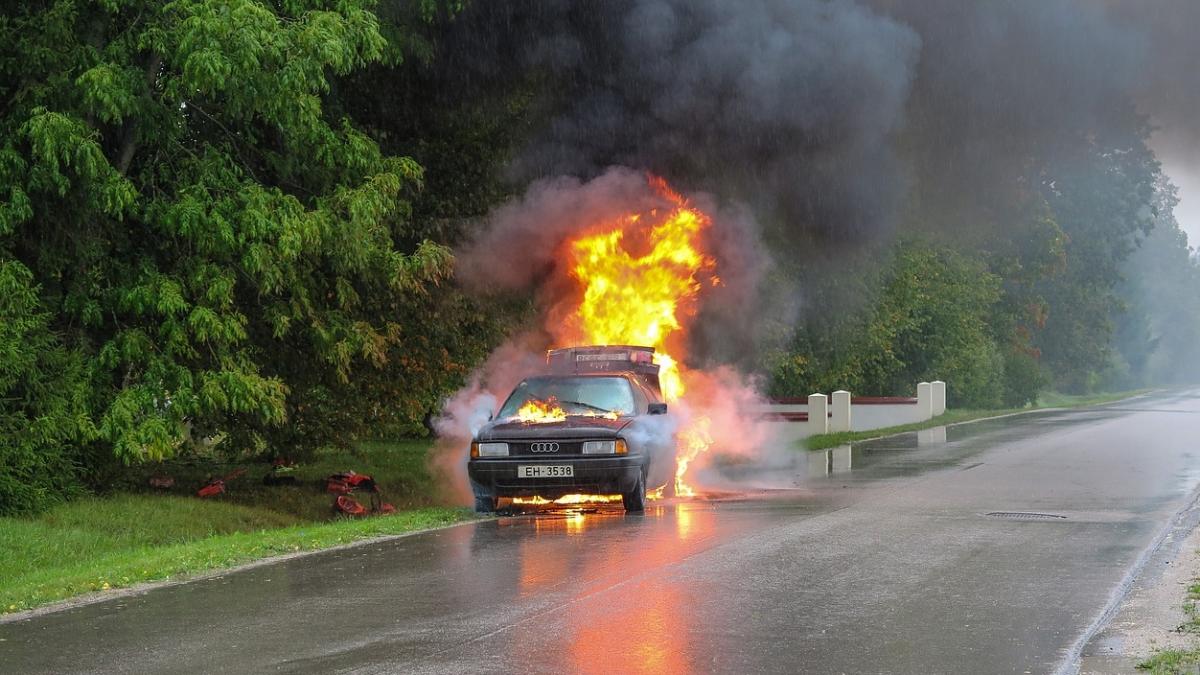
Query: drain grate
(1024, 515)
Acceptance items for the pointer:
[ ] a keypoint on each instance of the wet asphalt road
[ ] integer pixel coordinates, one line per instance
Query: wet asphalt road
(875, 559)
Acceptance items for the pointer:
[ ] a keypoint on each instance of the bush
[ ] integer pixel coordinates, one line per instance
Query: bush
(43, 411)
(1023, 379)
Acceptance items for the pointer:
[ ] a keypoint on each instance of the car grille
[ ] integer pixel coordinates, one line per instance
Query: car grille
(545, 448)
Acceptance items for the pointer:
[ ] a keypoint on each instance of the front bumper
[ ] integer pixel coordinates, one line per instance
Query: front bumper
(497, 476)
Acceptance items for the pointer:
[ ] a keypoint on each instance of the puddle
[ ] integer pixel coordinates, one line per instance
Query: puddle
(899, 455)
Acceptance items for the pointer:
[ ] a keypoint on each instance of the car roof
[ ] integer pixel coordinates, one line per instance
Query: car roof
(564, 376)
(634, 378)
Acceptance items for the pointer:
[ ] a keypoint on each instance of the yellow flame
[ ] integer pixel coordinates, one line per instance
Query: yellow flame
(641, 278)
(694, 440)
(541, 412)
(643, 299)
(568, 500)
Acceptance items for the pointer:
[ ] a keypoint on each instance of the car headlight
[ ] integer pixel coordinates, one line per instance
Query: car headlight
(489, 449)
(616, 447)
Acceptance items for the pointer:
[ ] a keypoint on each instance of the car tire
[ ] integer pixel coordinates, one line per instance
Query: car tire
(635, 502)
(485, 504)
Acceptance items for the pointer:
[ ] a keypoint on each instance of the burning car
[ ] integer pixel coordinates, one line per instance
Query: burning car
(595, 424)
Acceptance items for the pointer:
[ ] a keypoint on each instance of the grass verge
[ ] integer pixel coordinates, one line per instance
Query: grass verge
(1179, 661)
(134, 536)
(1047, 400)
(1172, 662)
(400, 467)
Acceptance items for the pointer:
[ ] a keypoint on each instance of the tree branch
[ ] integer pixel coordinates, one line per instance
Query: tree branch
(234, 140)
(129, 136)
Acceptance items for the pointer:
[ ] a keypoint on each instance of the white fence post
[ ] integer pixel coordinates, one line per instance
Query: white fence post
(841, 411)
(818, 414)
(924, 401)
(939, 397)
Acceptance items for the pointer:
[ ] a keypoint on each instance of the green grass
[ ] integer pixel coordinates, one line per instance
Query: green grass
(399, 467)
(137, 535)
(1051, 399)
(1172, 662)
(1046, 400)
(1191, 608)
(1179, 661)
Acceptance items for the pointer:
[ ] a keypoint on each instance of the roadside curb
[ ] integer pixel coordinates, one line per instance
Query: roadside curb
(94, 597)
(991, 417)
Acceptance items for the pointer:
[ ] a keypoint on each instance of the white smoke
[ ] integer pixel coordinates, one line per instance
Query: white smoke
(465, 413)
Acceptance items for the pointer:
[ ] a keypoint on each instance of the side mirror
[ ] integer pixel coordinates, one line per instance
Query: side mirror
(656, 409)
(491, 416)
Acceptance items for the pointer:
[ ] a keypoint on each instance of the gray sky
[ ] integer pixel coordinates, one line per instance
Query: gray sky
(1181, 162)
(1188, 211)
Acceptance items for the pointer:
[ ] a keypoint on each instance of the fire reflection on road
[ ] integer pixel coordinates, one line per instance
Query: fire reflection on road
(648, 635)
(651, 636)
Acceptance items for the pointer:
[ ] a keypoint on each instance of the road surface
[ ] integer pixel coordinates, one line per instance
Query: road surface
(879, 559)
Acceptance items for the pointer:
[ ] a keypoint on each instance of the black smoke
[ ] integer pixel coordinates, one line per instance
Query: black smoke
(809, 110)
(786, 106)
(825, 125)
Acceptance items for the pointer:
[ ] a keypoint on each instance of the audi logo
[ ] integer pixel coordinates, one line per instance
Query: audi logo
(543, 447)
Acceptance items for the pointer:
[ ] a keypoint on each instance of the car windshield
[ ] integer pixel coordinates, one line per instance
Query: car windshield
(575, 395)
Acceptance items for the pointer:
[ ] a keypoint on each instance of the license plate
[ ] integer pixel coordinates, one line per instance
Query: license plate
(545, 471)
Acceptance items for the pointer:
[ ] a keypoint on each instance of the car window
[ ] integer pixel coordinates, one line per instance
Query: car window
(640, 398)
(575, 395)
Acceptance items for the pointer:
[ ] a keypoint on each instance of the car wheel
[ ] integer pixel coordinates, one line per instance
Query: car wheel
(485, 504)
(635, 502)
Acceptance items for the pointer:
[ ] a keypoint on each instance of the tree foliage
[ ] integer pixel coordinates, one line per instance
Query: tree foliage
(201, 241)
(932, 319)
(1102, 196)
(1157, 328)
(44, 403)
(230, 221)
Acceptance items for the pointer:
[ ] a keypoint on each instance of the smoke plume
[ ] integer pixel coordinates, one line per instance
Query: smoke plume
(519, 246)
(806, 127)
(820, 114)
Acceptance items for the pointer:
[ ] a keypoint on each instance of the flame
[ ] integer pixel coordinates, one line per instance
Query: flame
(541, 412)
(694, 439)
(568, 500)
(544, 412)
(576, 499)
(640, 280)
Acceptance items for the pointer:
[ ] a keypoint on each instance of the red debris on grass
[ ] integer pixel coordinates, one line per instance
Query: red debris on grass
(217, 485)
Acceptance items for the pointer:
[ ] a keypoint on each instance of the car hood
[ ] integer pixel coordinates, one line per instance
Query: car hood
(572, 427)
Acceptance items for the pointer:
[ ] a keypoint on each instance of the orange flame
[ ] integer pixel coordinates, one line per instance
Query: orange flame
(544, 412)
(568, 500)
(641, 278)
(694, 440)
(541, 412)
(575, 499)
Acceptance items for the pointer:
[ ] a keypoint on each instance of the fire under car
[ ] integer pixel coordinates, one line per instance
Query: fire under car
(595, 423)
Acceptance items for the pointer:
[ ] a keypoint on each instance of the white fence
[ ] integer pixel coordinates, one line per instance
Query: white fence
(840, 411)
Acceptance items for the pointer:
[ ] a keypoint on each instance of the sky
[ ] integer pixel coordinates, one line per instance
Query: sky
(1188, 211)
(1181, 162)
